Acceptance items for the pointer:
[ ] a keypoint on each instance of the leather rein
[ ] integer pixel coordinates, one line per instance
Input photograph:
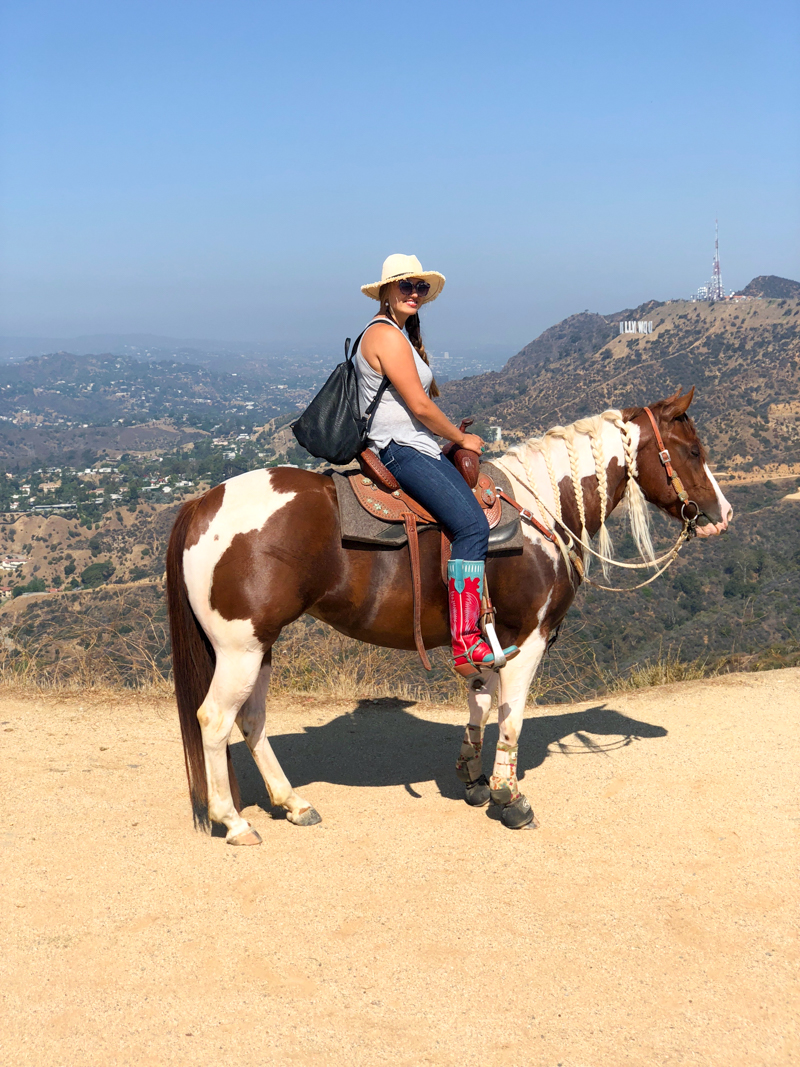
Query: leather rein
(688, 531)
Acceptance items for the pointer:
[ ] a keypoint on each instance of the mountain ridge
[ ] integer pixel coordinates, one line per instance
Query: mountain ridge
(743, 356)
(771, 287)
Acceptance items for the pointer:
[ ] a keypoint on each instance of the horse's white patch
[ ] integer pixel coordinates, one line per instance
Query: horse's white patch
(516, 677)
(725, 510)
(250, 501)
(536, 538)
(480, 701)
(636, 435)
(514, 468)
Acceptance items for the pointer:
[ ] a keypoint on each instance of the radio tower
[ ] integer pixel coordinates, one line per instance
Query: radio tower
(715, 289)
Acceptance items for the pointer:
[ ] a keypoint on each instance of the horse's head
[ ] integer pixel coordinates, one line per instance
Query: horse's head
(688, 460)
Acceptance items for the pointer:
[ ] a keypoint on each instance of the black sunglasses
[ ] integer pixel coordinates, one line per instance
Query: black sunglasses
(420, 288)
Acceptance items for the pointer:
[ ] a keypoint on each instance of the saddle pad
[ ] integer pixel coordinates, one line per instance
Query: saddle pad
(358, 525)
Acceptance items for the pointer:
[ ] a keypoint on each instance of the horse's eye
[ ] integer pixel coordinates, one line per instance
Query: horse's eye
(696, 451)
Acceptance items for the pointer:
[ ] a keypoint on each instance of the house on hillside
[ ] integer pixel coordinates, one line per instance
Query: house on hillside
(13, 563)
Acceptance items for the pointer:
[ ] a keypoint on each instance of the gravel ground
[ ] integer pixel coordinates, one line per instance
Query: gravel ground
(650, 919)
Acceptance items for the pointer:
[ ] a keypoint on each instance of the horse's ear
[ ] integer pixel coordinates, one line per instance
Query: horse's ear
(678, 405)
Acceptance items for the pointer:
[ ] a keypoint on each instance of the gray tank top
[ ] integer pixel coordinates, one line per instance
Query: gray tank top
(393, 420)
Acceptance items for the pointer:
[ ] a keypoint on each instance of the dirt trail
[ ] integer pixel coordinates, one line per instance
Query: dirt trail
(649, 920)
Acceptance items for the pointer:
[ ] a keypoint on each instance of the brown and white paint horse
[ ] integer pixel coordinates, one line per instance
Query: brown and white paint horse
(253, 554)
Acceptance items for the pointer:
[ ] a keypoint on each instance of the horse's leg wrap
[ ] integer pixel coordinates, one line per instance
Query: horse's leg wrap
(469, 766)
(503, 783)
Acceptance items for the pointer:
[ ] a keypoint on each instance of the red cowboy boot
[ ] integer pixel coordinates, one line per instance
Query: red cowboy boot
(464, 590)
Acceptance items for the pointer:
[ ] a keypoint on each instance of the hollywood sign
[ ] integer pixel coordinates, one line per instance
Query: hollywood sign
(636, 326)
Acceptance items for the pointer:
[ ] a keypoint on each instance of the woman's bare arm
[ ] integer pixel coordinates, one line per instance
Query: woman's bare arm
(390, 354)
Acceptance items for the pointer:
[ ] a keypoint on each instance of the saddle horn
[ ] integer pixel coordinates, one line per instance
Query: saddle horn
(467, 462)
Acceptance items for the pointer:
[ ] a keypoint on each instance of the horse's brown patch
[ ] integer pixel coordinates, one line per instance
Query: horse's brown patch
(272, 575)
(207, 507)
(519, 588)
(616, 479)
(615, 482)
(288, 479)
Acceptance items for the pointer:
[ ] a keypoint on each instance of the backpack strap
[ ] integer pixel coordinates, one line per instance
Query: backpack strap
(347, 353)
(372, 407)
(369, 414)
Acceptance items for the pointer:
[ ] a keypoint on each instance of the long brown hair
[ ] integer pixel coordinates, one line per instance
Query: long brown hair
(413, 330)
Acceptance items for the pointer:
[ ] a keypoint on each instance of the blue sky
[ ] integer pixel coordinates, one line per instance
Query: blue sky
(238, 170)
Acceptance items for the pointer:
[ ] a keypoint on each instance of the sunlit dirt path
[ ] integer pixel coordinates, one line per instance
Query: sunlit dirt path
(649, 920)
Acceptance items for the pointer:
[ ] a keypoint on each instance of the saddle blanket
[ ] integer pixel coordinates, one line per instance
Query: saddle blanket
(358, 525)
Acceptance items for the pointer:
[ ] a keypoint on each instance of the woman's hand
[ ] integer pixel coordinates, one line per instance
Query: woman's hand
(472, 442)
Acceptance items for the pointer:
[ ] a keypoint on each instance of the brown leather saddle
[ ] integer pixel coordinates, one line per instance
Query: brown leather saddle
(379, 493)
(392, 505)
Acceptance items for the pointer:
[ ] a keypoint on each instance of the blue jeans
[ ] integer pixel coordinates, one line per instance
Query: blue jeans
(437, 485)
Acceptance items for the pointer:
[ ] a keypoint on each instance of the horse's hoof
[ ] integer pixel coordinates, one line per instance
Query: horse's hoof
(309, 817)
(478, 792)
(246, 837)
(518, 814)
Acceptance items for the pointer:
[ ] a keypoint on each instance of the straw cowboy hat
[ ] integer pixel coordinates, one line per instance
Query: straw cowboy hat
(397, 267)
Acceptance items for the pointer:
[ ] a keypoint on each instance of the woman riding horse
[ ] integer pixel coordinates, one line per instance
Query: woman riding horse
(253, 554)
(403, 434)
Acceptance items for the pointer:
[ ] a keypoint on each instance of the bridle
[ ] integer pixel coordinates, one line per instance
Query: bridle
(663, 562)
(677, 484)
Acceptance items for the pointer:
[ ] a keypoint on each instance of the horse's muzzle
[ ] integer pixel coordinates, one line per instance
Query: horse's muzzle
(710, 528)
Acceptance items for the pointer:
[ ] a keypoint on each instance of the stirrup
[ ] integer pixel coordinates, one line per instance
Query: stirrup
(509, 653)
(489, 660)
(471, 669)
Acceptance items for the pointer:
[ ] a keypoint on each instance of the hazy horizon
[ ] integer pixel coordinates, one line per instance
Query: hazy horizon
(113, 343)
(209, 172)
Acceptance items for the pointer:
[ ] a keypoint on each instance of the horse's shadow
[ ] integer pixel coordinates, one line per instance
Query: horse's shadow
(379, 743)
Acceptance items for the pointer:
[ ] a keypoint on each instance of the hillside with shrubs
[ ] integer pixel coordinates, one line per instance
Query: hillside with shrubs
(83, 586)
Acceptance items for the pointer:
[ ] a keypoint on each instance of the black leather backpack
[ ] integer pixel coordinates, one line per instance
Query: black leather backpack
(332, 426)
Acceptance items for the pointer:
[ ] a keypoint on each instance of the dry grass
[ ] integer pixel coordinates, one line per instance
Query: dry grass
(309, 657)
(667, 667)
(127, 649)
(78, 653)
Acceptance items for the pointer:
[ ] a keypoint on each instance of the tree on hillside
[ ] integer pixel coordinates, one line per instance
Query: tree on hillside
(96, 574)
(35, 585)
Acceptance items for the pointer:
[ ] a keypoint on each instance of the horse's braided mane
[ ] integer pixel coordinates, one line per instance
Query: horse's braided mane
(593, 429)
